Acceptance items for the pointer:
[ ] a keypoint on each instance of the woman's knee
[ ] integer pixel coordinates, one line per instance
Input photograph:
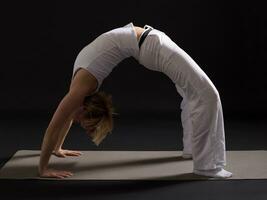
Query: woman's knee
(211, 94)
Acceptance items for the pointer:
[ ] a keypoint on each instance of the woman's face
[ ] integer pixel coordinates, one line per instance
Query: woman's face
(86, 121)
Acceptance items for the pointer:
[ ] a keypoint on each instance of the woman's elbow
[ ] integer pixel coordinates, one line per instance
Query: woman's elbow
(68, 105)
(71, 102)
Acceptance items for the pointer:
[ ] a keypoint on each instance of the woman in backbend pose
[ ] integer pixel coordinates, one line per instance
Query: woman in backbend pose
(201, 116)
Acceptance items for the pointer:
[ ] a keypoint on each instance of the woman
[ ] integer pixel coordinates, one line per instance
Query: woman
(202, 115)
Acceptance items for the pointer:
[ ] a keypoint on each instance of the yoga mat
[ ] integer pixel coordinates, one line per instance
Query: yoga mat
(133, 165)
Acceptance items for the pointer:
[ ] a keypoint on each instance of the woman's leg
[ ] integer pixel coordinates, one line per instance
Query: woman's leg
(208, 138)
(187, 130)
(203, 132)
(202, 115)
(186, 125)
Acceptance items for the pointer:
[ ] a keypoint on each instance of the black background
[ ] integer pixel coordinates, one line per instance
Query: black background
(42, 39)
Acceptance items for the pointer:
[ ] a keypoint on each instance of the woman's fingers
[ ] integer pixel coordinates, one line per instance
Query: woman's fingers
(63, 153)
(63, 174)
(59, 154)
(72, 153)
(52, 173)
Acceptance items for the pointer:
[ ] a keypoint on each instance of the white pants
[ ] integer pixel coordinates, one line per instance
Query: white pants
(202, 115)
(203, 132)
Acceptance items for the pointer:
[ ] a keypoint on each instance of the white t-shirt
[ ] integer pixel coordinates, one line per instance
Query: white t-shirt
(106, 51)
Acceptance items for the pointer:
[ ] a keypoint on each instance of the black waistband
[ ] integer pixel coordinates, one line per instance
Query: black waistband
(143, 36)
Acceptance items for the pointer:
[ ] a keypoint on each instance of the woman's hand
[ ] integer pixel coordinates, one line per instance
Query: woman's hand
(52, 173)
(63, 153)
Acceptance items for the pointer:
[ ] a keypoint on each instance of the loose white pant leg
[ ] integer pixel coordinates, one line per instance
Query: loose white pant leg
(201, 115)
(208, 137)
(187, 128)
(186, 124)
(202, 107)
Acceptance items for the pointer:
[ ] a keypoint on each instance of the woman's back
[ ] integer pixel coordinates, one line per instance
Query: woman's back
(107, 50)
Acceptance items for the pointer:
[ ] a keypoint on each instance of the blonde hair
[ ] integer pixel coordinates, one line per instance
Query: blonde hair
(97, 117)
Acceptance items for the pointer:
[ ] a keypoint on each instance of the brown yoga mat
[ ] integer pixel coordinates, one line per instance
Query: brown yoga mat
(133, 165)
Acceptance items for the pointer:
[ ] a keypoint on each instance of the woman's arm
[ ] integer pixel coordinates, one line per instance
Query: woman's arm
(63, 134)
(58, 151)
(83, 84)
(67, 106)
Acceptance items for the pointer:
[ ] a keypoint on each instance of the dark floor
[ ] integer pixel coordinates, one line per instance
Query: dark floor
(151, 132)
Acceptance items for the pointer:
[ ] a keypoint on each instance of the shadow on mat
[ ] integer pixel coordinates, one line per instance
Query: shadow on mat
(119, 164)
(92, 167)
(26, 156)
(5, 159)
